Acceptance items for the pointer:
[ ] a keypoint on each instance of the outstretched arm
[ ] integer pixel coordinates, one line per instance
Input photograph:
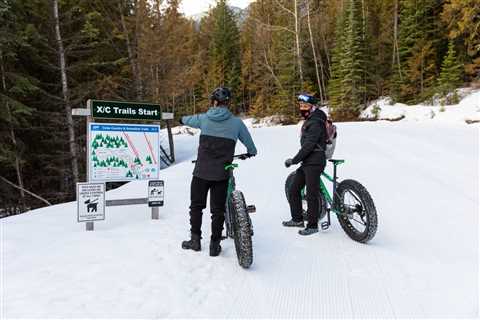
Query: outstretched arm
(246, 139)
(194, 121)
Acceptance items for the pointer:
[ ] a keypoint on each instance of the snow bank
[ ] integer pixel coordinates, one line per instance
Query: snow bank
(467, 111)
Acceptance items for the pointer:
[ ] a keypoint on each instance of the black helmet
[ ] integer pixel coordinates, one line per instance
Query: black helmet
(221, 94)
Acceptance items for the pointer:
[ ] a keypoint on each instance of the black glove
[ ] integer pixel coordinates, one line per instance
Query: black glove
(245, 156)
(288, 162)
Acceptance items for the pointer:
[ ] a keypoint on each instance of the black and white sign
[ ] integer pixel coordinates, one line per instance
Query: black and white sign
(90, 201)
(156, 190)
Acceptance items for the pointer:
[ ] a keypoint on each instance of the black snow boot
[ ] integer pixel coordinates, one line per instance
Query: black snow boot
(293, 223)
(215, 248)
(193, 243)
(308, 231)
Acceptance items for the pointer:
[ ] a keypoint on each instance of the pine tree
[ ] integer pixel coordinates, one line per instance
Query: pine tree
(462, 18)
(259, 73)
(417, 51)
(348, 84)
(224, 50)
(451, 73)
(14, 114)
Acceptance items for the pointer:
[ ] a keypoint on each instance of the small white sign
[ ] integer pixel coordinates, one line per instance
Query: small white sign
(90, 201)
(81, 112)
(156, 192)
(167, 115)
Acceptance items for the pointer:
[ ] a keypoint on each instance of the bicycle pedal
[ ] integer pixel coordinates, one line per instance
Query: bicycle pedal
(251, 209)
(325, 225)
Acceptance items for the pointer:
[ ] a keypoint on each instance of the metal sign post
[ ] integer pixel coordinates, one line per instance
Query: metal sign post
(90, 203)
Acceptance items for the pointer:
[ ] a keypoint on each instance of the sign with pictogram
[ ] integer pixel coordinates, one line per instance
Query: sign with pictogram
(90, 202)
(156, 193)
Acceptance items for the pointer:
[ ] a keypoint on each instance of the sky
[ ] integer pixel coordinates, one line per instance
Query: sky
(192, 7)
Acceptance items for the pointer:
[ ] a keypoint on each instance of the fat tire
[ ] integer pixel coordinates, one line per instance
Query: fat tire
(322, 206)
(370, 211)
(242, 225)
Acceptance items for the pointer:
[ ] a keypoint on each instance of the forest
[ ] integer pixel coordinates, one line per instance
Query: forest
(57, 54)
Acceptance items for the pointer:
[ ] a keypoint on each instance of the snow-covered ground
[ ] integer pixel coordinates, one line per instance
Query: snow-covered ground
(423, 261)
(467, 110)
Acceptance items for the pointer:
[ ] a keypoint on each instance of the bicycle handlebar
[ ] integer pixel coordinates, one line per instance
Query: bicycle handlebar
(243, 156)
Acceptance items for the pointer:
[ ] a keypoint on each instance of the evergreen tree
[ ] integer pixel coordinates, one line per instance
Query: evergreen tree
(224, 50)
(349, 70)
(286, 69)
(259, 74)
(462, 18)
(451, 73)
(14, 114)
(417, 51)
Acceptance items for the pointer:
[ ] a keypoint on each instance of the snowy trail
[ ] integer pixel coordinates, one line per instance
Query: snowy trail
(422, 263)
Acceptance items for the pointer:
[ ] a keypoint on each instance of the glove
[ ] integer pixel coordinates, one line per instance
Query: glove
(288, 162)
(245, 156)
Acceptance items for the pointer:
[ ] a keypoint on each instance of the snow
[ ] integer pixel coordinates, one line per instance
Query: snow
(468, 109)
(423, 261)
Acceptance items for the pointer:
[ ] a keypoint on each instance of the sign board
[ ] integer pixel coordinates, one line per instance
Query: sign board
(124, 110)
(167, 115)
(90, 202)
(81, 112)
(118, 152)
(156, 192)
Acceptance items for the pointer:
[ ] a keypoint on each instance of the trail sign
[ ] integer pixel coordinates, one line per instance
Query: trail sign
(90, 202)
(125, 110)
(167, 115)
(156, 192)
(120, 152)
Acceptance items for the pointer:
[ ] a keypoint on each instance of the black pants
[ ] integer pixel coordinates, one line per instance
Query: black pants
(306, 176)
(198, 196)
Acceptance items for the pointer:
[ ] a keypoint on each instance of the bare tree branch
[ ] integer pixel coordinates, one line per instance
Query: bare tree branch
(274, 27)
(284, 8)
(267, 64)
(25, 190)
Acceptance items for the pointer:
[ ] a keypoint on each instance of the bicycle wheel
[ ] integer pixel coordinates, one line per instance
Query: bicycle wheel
(242, 227)
(322, 204)
(358, 216)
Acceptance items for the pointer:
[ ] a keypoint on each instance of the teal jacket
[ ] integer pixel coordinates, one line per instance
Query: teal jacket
(220, 130)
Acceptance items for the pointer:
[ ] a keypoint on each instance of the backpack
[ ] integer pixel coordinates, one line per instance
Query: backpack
(331, 140)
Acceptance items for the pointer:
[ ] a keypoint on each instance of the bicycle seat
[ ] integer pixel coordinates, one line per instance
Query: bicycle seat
(336, 161)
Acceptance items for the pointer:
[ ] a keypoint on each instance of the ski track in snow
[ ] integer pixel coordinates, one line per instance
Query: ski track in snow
(423, 261)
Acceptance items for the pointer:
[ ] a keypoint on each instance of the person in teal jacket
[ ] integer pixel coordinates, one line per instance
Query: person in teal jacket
(220, 130)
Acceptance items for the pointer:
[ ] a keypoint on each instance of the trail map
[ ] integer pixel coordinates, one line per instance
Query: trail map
(120, 152)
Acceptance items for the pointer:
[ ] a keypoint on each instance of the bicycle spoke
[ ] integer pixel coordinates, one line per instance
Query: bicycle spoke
(362, 222)
(355, 196)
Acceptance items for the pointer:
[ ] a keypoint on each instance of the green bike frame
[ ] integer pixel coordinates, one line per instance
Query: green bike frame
(326, 195)
(231, 179)
(230, 189)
